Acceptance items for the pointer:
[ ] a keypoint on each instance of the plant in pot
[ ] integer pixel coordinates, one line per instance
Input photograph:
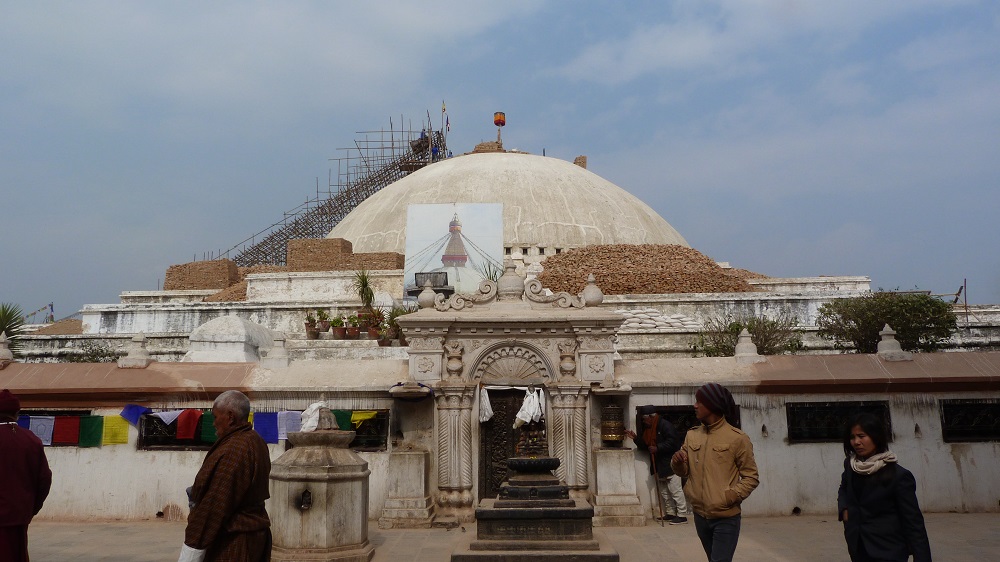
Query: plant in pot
(395, 312)
(373, 322)
(384, 340)
(338, 328)
(322, 321)
(311, 331)
(352, 327)
(366, 293)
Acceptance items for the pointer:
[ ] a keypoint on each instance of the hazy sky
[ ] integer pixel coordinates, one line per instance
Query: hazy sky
(789, 137)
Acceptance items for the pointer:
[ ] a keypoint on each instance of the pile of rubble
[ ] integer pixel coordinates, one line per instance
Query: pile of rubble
(635, 269)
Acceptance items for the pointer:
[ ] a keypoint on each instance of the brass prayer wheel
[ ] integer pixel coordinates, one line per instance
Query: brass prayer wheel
(612, 425)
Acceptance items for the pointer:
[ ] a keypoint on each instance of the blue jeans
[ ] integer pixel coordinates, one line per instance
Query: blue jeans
(718, 536)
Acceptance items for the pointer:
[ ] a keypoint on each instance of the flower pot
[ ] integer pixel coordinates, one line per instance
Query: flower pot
(353, 332)
(403, 342)
(384, 342)
(373, 333)
(323, 326)
(339, 332)
(312, 334)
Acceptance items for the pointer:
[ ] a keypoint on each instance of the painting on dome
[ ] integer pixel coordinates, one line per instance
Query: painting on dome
(454, 246)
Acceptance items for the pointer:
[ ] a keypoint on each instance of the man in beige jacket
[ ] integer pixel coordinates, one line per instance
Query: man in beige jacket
(717, 460)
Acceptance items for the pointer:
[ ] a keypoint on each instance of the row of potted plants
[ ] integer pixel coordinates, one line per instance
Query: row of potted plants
(377, 322)
(374, 321)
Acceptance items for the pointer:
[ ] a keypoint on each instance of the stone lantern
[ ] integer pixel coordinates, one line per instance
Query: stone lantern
(319, 498)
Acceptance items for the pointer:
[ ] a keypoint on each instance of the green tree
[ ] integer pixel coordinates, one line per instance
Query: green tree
(12, 322)
(921, 322)
(772, 336)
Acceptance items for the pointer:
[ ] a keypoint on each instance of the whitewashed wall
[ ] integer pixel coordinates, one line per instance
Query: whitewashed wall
(961, 477)
(121, 482)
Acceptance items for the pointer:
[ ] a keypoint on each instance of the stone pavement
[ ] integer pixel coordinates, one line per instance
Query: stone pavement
(953, 536)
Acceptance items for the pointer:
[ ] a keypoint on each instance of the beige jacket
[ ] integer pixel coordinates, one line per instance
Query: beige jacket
(720, 470)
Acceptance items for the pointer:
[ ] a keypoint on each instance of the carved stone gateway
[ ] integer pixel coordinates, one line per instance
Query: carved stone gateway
(509, 334)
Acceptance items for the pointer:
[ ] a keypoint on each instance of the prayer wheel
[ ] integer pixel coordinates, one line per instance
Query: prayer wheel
(612, 425)
(499, 119)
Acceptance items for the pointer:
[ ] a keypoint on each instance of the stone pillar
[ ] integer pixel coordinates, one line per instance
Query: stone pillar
(616, 501)
(454, 449)
(567, 420)
(409, 504)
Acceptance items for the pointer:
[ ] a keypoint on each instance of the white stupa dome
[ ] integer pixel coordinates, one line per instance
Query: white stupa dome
(547, 203)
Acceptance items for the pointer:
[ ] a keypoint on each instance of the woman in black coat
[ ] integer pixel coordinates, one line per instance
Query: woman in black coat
(877, 500)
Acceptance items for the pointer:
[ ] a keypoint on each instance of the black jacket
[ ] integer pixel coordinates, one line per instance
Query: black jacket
(667, 444)
(883, 514)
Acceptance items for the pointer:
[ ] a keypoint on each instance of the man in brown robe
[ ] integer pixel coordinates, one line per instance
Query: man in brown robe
(228, 521)
(25, 480)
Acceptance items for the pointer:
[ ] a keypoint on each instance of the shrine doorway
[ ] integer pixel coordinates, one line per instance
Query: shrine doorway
(497, 440)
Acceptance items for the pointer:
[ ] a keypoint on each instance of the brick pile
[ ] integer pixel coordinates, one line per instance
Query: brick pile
(214, 274)
(627, 269)
(335, 254)
(70, 326)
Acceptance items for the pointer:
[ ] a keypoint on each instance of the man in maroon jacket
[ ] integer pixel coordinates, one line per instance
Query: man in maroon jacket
(228, 521)
(25, 480)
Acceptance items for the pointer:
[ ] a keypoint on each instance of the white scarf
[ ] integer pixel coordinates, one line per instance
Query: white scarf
(872, 464)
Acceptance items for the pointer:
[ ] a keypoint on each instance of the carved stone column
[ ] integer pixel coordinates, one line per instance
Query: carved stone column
(454, 449)
(567, 420)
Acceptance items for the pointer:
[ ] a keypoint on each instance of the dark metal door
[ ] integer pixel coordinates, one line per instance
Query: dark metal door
(497, 439)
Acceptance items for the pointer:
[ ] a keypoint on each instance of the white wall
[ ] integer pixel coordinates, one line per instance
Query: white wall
(961, 477)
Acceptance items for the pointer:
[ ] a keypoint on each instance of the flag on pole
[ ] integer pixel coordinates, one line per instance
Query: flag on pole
(442, 107)
(447, 123)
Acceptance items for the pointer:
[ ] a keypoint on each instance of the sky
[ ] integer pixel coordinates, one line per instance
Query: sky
(789, 137)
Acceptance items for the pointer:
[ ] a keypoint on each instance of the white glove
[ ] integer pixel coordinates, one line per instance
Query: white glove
(189, 554)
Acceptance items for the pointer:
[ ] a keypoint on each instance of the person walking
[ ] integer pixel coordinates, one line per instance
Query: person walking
(25, 479)
(877, 499)
(228, 520)
(717, 460)
(659, 438)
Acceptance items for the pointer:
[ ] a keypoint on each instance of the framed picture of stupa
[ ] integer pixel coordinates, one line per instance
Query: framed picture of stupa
(453, 246)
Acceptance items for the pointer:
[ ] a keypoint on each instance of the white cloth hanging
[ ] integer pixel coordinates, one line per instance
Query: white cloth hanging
(310, 417)
(485, 409)
(531, 408)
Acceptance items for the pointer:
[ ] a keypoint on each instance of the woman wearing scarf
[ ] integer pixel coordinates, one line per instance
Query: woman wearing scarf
(877, 500)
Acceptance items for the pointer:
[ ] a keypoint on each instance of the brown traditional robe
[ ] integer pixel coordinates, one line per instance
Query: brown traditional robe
(228, 519)
(25, 479)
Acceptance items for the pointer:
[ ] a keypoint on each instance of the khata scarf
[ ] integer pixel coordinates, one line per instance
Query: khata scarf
(872, 464)
(649, 434)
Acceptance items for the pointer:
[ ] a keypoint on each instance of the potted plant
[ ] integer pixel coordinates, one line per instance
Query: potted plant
(322, 321)
(383, 337)
(394, 331)
(352, 327)
(373, 322)
(366, 293)
(338, 328)
(311, 331)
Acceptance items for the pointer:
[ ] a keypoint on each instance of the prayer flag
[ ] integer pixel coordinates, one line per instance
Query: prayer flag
(42, 426)
(250, 418)
(91, 431)
(24, 421)
(343, 418)
(187, 423)
(115, 431)
(266, 424)
(442, 107)
(208, 428)
(66, 430)
(289, 422)
(168, 417)
(358, 416)
(132, 413)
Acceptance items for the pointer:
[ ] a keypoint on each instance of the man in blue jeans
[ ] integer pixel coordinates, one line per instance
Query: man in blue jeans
(717, 460)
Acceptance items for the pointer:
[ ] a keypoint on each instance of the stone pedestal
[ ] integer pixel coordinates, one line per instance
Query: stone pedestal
(409, 505)
(616, 502)
(534, 518)
(319, 500)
